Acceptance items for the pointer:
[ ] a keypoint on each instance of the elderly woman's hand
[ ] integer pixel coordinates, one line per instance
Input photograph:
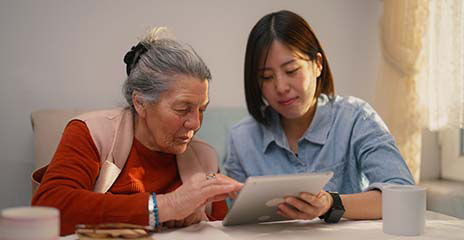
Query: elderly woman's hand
(195, 193)
(193, 218)
(306, 206)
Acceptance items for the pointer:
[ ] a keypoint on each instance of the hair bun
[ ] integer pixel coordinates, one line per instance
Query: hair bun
(132, 57)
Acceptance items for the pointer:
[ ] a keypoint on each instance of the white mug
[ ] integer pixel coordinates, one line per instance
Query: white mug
(40, 223)
(403, 210)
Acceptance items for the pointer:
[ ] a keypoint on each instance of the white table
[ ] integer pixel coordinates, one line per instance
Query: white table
(438, 226)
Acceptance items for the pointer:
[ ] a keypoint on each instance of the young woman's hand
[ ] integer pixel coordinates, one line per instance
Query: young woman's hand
(306, 206)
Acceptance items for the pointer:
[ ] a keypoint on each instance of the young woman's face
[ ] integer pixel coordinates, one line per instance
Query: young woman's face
(170, 123)
(288, 81)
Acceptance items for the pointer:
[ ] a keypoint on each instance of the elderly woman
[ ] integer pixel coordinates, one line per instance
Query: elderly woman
(141, 164)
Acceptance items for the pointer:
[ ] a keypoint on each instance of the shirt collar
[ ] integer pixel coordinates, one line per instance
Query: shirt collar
(272, 132)
(322, 121)
(316, 133)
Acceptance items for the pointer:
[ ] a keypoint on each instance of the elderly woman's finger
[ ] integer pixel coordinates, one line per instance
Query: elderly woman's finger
(222, 178)
(222, 181)
(179, 223)
(218, 198)
(217, 190)
(192, 219)
(170, 224)
(233, 195)
(221, 197)
(230, 179)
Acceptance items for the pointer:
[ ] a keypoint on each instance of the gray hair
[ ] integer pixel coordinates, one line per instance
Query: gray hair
(164, 58)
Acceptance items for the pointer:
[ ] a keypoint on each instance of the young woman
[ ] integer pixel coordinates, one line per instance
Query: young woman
(298, 124)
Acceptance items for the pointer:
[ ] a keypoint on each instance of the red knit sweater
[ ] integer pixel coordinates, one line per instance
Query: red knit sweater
(71, 175)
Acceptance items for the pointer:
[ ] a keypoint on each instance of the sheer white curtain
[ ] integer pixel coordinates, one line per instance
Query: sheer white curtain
(402, 30)
(421, 81)
(441, 85)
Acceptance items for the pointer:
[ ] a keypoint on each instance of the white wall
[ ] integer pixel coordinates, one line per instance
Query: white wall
(68, 54)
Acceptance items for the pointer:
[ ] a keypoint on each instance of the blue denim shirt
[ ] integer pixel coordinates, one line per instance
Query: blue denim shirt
(346, 137)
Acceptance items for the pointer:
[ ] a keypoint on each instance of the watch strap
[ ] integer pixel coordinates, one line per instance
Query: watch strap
(335, 212)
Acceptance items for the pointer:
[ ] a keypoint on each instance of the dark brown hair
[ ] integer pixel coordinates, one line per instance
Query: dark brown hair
(294, 32)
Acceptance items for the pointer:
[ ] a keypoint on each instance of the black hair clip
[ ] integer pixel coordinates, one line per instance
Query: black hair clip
(132, 57)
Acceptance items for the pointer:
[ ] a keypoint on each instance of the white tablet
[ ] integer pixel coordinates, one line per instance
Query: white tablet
(259, 197)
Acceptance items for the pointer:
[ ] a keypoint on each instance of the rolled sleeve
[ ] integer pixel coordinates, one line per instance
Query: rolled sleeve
(377, 155)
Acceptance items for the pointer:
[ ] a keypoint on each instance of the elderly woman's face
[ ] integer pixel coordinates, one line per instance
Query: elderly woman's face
(169, 124)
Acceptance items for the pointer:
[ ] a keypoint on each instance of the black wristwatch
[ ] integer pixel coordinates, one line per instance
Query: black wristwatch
(336, 211)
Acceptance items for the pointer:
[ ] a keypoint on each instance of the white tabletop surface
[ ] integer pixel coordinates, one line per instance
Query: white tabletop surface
(438, 226)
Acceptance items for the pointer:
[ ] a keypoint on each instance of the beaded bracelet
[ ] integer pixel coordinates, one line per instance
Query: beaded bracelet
(155, 210)
(151, 214)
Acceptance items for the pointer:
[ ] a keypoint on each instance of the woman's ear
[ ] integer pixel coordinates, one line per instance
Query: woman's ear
(139, 104)
(318, 64)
